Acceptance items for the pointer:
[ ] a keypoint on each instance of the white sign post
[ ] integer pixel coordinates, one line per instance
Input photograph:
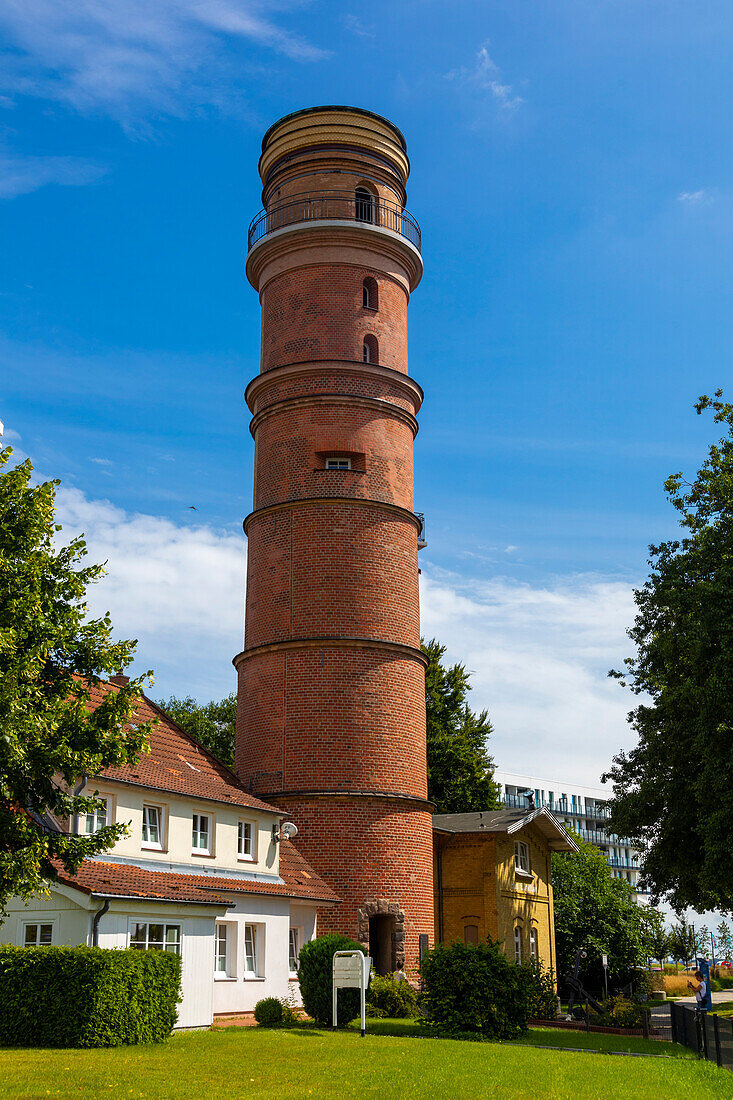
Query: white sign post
(351, 970)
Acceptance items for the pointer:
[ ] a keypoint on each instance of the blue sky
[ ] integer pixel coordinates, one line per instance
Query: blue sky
(571, 171)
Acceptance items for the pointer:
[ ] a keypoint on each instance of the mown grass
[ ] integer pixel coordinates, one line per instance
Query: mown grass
(543, 1036)
(263, 1064)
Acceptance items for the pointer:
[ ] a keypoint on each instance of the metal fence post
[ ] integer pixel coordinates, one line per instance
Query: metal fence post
(716, 1029)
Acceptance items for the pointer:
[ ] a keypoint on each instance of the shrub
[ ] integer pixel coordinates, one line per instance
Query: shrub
(657, 980)
(86, 996)
(269, 1011)
(642, 984)
(621, 1012)
(542, 1003)
(315, 970)
(475, 988)
(395, 999)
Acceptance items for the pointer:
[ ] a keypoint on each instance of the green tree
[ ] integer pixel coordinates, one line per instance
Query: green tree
(673, 792)
(51, 653)
(596, 911)
(460, 770)
(702, 938)
(725, 945)
(657, 936)
(211, 724)
(682, 942)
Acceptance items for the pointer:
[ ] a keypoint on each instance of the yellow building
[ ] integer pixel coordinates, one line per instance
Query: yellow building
(492, 876)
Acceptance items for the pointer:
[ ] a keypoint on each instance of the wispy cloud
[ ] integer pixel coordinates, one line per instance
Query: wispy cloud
(128, 57)
(697, 198)
(20, 174)
(357, 26)
(484, 76)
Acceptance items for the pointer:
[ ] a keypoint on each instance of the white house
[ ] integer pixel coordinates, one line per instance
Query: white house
(203, 872)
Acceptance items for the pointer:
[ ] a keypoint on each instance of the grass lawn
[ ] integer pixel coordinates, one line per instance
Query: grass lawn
(263, 1064)
(723, 1008)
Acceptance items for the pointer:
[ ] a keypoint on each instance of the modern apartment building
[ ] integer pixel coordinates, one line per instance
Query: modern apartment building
(582, 808)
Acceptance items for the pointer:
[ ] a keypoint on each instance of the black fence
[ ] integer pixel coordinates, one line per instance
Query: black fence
(710, 1036)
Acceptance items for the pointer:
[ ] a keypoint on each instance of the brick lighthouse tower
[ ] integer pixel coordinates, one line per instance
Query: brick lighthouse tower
(331, 699)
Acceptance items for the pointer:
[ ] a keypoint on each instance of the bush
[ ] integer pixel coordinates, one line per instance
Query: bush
(395, 999)
(475, 988)
(269, 1011)
(621, 1012)
(542, 1004)
(657, 980)
(86, 996)
(315, 969)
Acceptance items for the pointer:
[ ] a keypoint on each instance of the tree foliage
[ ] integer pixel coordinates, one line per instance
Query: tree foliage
(51, 652)
(658, 937)
(673, 792)
(725, 944)
(682, 942)
(211, 724)
(596, 911)
(460, 770)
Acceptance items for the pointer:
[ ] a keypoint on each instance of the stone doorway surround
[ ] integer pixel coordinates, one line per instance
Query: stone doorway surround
(382, 907)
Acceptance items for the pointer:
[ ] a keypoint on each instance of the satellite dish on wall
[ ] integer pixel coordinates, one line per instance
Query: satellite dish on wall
(288, 830)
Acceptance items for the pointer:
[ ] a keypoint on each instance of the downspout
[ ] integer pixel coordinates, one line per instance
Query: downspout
(95, 922)
(440, 892)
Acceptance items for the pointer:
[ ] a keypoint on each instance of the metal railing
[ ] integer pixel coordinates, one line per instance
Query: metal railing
(335, 206)
(709, 1035)
(629, 864)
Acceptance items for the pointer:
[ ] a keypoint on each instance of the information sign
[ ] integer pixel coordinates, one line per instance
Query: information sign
(351, 970)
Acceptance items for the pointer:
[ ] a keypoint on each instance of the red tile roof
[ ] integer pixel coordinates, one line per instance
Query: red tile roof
(126, 880)
(176, 762)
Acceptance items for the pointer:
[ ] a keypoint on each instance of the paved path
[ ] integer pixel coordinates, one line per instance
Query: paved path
(718, 998)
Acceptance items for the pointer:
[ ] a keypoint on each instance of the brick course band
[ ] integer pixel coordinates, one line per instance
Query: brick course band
(389, 796)
(359, 502)
(385, 408)
(308, 368)
(396, 648)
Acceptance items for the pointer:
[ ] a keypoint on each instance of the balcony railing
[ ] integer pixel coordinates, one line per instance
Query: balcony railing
(335, 206)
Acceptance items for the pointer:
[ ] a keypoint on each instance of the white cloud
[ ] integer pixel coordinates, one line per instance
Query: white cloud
(354, 24)
(696, 198)
(538, 654)
(485, 76)
(178, 589)
(539, 657)
(126, 57)
(20, 174)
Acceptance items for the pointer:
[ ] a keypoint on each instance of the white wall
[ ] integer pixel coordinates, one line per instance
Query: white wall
(239, 992)
(71, 921)
(126, 805)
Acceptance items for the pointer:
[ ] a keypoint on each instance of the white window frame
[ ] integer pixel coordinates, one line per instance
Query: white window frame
(338, 462)
(296, 933)
(38, 923)
(517, 945)
(251, 856)
(522, 865)
(229, 973)
(155, 846)
(533, 952)
(83, 820)
(197, 832)
(254, 934)
(166, 944)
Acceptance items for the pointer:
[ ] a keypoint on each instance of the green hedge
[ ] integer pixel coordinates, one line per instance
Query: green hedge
(392, 998)
(86, 996)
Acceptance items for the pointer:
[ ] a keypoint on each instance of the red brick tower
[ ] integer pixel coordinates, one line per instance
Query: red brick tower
(331, 711)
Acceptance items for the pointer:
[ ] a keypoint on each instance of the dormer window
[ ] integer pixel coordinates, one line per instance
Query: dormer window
(338, 463)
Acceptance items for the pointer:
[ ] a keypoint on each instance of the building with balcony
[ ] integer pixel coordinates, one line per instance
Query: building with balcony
(582, 808)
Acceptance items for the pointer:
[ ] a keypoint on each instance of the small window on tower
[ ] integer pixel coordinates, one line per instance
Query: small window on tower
(370, 350)
(363, 205)
(370, 294)
(338, 463)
